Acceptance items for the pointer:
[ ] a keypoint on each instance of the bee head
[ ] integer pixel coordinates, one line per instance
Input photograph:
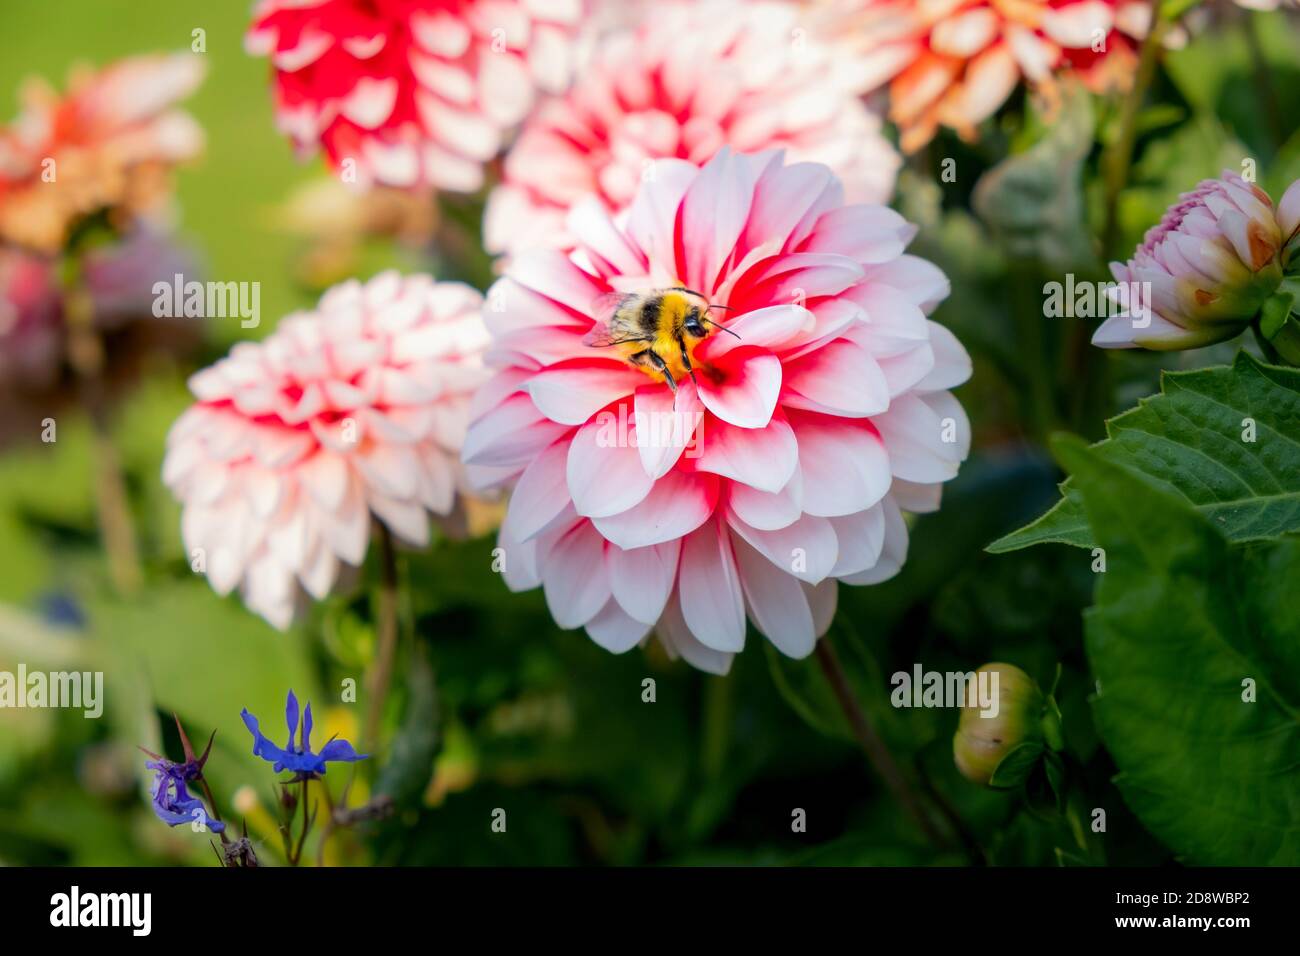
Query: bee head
(694, 324)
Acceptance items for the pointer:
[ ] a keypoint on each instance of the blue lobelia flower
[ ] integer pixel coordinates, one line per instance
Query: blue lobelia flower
(172, 801)
(297, 757)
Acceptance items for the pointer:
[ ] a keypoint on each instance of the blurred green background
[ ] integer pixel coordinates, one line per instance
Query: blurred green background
(496, 707)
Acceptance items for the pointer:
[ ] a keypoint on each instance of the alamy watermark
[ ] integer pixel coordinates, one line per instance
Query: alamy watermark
(656, 429)
(922, 688)
(1098, 300)
(208, 300)
(83, 690)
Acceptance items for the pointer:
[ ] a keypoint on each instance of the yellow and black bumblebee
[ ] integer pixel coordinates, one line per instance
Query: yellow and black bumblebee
(654, 330)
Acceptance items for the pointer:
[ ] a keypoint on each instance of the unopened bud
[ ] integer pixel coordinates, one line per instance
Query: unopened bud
(1021, 716)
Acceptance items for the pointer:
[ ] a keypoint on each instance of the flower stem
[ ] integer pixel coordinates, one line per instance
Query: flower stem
(386, 629)
(872, 744)
(212, 808)
(306, 823)
(117, 530)
(1118, 160)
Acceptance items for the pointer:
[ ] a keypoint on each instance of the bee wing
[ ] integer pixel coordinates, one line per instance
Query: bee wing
(602, 333)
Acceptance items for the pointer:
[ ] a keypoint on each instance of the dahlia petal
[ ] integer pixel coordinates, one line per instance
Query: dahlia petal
(916, 498)
(679, 642)
(505, 89)
(768, 511)
(541, 495)
(652, 217)
(843, 464)
(841, 378)
(867, 234)
(512, 433)
(776, 602)
(642, 579)
(920, 282)
(771, 328)
(822, 599)
(677, 504)
(762, 458)
(860, 537)
(893, 554)
(952, 365)
(806, 549)
(927, 437)
(571, 395)
(747, 393)
(665, 426)
(574, 579)
(616, 631)
(708, 583)
(713, 213)
(604, 476)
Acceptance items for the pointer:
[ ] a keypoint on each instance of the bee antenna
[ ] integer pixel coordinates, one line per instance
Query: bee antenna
(725, 308)
(723, 328)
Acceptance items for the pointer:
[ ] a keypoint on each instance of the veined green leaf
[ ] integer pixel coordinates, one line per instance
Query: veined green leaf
(1192, 643)
(1226, 439)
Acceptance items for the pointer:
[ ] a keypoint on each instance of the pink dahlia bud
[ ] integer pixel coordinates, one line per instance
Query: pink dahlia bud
(98, 148)
(955, 63)
(416, 92)
(718, 406)
(1201, 274)
(355, 410)
(690, 79)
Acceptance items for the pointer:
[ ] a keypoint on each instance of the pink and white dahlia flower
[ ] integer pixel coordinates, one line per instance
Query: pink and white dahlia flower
(414, 92)
(816, 415)
(691, 78)
(955, 62)
(355, 410)
(1201, 273)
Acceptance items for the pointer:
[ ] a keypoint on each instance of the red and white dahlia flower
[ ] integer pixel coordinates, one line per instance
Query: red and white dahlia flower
(813, 422)
(954, 62)
(691, 78)
(412, 91)
(355, 410)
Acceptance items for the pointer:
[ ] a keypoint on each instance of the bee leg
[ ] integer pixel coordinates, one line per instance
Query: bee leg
(686, 360)
(662, 368)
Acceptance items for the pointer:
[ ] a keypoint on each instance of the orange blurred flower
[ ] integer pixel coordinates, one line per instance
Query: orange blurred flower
(955, 62)
(106, 146)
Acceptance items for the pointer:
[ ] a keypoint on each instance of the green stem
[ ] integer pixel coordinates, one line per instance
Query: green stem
(872, 744)
(386, 632)
(112, 504)
(1119, 158)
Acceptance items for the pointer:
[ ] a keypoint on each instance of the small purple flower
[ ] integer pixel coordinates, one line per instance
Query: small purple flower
(298, 757)
(172, 801)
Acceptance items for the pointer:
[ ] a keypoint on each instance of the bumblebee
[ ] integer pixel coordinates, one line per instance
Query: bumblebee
(654, 330)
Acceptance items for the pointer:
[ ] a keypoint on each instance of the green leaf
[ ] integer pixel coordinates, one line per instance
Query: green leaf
(1192, 440)
(1033, 200)
(1015, 767)
(1184, 622)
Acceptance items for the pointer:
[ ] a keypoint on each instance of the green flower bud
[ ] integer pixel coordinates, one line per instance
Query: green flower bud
(1016, 713)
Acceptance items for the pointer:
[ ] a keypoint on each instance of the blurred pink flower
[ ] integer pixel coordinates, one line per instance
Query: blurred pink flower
(819, 417)
(106, 145)
(691, 78)
(955, 62)
(1209, 264)
(119, 279)
(353, 410)
(413, 91)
